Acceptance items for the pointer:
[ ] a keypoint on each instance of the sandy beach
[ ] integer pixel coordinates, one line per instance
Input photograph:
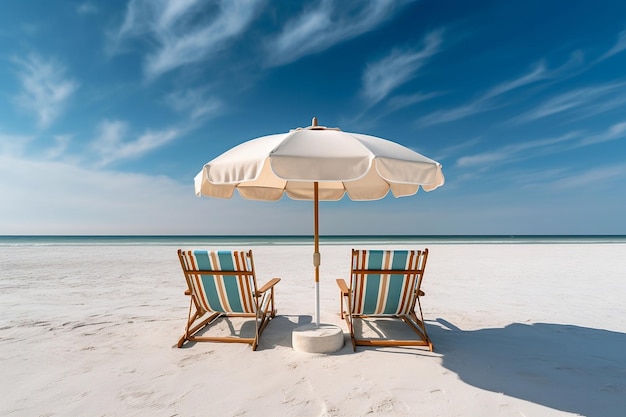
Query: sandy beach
(518, 330)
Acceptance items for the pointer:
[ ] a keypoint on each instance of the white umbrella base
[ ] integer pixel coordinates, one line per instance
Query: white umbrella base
(311, 338)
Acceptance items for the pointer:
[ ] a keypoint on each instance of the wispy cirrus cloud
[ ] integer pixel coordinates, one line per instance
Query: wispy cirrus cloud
(86, 8)
(61, 145)
(327, 23)
(532, 149)
(399, 102)
(111, 143)
(456, 149)
(517, 151)
(619, 46)
(456, 113)
(613, 132)
(590, 177)
(582, 102)
(197, 103)
(486, 101)
(489, 99)
(45, 87)
(382, 77)
(181, 30)
(14, 144)
(539, 73)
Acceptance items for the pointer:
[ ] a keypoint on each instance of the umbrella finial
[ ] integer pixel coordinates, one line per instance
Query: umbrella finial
(315, 126)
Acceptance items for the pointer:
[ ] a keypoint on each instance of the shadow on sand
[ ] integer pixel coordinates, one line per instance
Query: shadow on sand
(570, 368)
(278, 331)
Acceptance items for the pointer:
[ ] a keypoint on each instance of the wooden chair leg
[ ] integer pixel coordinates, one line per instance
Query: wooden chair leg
(350, 321)
(341, 304)
(190, 321)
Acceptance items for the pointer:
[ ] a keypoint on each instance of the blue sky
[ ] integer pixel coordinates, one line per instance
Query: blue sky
(108, 110)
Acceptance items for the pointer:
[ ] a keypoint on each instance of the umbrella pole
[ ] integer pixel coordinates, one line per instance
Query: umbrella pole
(316, 254)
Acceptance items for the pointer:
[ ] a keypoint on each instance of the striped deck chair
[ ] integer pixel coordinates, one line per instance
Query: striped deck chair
(223, 284)
(385, 283)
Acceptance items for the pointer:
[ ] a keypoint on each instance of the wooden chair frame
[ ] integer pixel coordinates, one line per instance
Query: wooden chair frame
(199, 318)
(411, 318)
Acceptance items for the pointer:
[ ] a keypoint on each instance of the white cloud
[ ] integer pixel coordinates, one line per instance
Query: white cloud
(456, 149)
(52, 197)
(111, 144)
(110, 134)
(399, 102)
(483, 158)
(86, 8)
(324, 25)
(61, 143)
(619, 46)
(46, 197)
(13, 144)
(537, 74)
(583, 101)
(532, 149)
(196, 103)
(182, 36)
(45, 89)
(486, 101)
(517, 151)
(489, 100)
(591, 177)
(456, 113)
(616, 131)
(382, 77)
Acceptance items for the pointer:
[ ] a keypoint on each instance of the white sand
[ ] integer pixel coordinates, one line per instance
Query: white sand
(519, 330)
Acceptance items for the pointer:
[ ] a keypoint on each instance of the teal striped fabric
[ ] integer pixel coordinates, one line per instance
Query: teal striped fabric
(379, 293)
(218, 292)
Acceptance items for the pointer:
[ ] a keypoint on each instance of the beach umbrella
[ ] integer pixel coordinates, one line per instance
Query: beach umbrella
(319, 164)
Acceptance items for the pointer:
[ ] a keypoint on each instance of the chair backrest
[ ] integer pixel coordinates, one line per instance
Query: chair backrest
(386, 282)
(220, 281)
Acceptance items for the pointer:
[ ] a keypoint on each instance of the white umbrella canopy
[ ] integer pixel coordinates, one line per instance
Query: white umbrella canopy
(361, 166)
(318, 163)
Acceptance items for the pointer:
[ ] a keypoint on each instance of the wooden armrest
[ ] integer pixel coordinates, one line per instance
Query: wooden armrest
(187, 292)
(421, 293)
(343, 287)
(269, 284)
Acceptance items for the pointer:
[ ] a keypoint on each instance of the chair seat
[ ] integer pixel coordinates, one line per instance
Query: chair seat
(385, 283)
(223, 284)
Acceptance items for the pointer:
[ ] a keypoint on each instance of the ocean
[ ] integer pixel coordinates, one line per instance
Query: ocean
(176, 240)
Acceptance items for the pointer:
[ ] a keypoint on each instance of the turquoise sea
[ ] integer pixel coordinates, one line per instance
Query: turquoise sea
(90, 240)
